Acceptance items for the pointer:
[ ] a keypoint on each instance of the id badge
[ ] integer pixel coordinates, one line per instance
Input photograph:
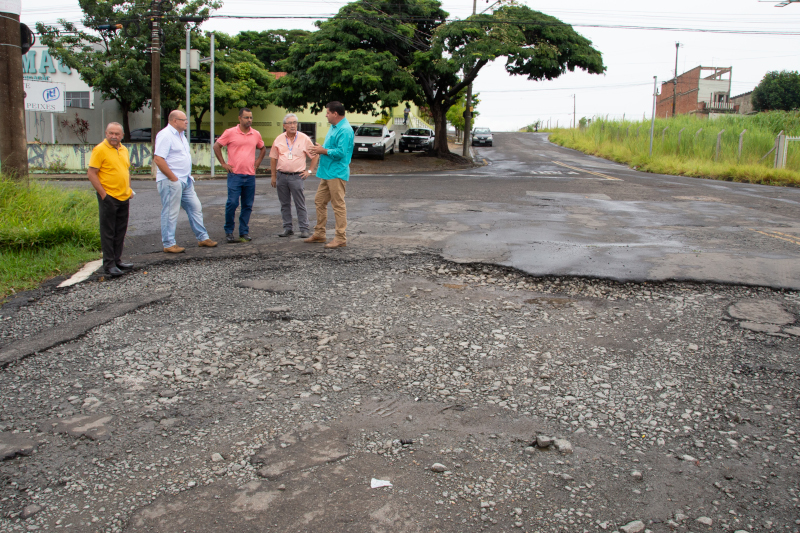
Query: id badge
(289, 156)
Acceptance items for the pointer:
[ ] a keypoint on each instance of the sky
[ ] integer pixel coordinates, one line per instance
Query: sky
(748, 35)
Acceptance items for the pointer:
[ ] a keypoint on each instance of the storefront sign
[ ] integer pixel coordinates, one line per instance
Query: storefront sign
(45, 96)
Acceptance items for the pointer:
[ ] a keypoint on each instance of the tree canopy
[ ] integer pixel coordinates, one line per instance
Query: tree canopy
(117, 63)
(376, 53)
(268, 46)
(777, 91)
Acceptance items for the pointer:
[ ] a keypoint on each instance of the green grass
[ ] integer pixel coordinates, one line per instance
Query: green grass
(695, 155)
(44, 231)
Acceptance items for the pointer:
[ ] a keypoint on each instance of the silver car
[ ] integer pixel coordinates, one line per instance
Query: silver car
(373, 139)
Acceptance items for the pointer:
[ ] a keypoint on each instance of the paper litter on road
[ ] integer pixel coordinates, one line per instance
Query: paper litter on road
(378, 483)
(82, 274)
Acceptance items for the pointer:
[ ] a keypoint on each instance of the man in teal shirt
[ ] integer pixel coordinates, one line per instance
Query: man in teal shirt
(333, 174)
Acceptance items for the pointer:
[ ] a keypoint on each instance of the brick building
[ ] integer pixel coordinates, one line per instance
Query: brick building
(697, 92)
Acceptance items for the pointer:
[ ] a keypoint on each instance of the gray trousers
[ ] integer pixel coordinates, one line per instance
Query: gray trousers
(291, 186)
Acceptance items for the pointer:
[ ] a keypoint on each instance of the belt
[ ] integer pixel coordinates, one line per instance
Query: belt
(289, 173)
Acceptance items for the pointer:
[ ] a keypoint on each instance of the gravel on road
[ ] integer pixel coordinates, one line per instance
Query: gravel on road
(264, 393)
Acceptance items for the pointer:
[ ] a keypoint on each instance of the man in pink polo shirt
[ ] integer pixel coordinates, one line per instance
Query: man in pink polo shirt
(242, 141)
(288, 163)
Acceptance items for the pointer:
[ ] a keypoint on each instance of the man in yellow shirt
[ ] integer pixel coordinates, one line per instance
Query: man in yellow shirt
(109, 174)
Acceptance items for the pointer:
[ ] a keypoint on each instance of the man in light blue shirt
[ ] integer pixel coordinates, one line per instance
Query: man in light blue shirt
(333, 173)
(176, 185)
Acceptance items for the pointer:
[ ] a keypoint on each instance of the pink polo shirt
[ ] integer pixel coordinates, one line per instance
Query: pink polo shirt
(280, 151)
(242, 149)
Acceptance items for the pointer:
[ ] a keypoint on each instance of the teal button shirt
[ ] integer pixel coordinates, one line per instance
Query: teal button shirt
(339, 144)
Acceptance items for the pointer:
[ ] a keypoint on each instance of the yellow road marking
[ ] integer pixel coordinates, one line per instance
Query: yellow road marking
(794, 240)
(587, 171)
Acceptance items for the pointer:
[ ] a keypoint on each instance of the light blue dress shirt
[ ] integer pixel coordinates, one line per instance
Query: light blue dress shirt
(339, 143)
(173, 146)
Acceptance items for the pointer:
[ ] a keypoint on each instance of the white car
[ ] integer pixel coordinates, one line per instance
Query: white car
(373, 139)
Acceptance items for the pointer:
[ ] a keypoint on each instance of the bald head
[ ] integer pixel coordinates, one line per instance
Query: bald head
(177, 119)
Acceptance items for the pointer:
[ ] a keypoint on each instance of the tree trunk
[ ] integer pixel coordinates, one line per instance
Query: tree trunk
(440, 123)
(198, 120)
(125, 123)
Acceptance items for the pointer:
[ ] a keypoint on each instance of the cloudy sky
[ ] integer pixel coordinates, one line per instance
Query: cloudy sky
(751, 36)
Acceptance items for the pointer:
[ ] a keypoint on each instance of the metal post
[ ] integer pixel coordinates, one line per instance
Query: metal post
(719, 144)
(574, 115)
(155, 75)
(188, 72)
(53, 128)
(653, 119)
(13, 140)
(741, 140)
(675, 81)
(211, 134)
(679, 140)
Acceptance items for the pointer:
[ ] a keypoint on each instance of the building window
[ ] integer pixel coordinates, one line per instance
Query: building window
(78, 99)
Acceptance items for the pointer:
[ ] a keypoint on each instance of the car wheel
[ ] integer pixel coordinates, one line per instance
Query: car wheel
(391, 151)
(490, 144)
(382, 156)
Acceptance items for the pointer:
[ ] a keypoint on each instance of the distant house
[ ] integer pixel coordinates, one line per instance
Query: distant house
(697, 92)
(745, 103)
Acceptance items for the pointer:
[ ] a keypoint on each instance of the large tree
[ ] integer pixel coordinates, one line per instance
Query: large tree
(375, 53)
(268, 46)
(117, 63)
(779, 91)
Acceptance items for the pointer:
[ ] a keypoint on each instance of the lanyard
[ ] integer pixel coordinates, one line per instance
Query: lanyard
(293, 143)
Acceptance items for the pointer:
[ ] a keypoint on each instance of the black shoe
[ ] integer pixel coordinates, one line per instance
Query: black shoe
(114, 272)
(125, 266)
(245, 238)
(286, 233)
(230, 238)
(305, 234)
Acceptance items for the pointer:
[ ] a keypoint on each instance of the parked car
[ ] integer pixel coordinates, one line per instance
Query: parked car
(482, 136)
(373, 139)
(416, 139)
(142, 135)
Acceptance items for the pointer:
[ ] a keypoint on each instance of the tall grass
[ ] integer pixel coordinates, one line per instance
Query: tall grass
(44, 231)
(687, 145)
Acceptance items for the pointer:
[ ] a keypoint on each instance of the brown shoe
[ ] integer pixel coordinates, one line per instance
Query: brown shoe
(208, 243)
(336, 244)
(174, 249)
(314, 238)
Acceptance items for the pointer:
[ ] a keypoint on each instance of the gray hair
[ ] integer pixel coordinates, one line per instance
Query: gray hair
(114, 124)
(288, 116)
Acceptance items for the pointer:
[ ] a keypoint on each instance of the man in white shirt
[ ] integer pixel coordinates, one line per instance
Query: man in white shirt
(176, 185)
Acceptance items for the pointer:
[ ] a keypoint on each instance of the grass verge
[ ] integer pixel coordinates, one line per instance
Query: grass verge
(45, 231)
(687, 146)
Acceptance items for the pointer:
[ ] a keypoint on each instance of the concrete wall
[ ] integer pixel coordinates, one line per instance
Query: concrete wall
(75, 157)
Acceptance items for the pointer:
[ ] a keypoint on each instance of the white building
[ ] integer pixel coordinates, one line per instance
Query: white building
(81, 100)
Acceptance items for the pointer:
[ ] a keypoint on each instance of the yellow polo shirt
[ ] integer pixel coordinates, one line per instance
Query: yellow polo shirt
(113, 167)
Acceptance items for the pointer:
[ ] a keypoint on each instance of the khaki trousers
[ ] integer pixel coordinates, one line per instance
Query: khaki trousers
(332, 191)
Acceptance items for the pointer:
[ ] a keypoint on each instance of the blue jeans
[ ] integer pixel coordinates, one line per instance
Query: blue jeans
(244, 186)
(174, 195)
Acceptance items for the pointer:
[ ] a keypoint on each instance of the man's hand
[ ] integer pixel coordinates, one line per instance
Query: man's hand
(306, 173)
(274, 182)
(228, 167)
(317, 149)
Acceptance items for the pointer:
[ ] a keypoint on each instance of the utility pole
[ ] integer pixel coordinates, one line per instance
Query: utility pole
(155, 77)
(574, 115)
(211, 134)
(468, 105)
(188, 67)
(675, 80)
(13, 140)
(653, 119)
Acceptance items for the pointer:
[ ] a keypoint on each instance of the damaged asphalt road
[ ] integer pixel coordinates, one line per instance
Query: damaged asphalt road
(513, 349)
(265, 392)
